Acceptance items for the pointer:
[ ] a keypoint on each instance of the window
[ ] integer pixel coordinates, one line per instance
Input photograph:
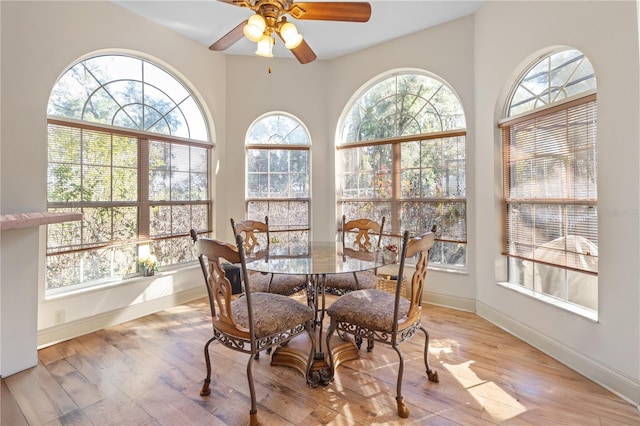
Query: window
(278, 150)
(550, 180)
(402, 156)
(127, 148)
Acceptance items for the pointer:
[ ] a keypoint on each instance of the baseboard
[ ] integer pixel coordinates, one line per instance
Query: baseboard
(459, 303)
(70, 330)
(625, 387)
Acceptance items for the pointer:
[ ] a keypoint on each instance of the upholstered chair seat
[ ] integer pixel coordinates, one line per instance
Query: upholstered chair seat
(277, 283)
(370, 308)
(344, 283)
(271, 313)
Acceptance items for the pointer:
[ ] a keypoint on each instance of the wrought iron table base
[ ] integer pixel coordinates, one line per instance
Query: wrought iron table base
(319, 373)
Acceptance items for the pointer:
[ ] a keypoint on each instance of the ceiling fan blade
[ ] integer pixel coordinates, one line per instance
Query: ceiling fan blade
(331, 11)
(303, 53)
(229, 38)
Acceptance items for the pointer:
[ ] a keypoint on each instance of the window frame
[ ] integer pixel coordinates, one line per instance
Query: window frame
(71, 241)
(527, 272)
(280, 231)
(393, 229)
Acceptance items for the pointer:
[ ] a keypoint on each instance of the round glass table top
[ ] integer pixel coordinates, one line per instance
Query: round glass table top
(315, 258)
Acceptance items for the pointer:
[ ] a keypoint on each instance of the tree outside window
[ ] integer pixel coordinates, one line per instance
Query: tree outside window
(402, 156)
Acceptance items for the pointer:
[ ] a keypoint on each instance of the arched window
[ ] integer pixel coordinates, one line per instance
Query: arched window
(550, 180)
(128, 147)
(278, 175)
(402, 156)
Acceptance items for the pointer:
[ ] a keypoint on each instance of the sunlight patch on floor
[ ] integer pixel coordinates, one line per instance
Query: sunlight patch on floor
(494, 400)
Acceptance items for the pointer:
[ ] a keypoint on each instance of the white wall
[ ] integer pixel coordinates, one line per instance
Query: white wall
(508, 36)
(292, 88)
(478, 56)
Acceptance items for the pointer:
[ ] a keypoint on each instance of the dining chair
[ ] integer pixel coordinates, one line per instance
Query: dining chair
(368, 238)
(386, 317)
(252, 323)
(254, 233)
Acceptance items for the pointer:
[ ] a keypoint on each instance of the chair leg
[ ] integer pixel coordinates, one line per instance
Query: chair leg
(253, 413)
(403, 411)
(206, 390)
(431, 374)
(358, 340)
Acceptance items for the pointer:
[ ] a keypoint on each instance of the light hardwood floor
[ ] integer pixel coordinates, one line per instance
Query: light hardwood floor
(149, 371)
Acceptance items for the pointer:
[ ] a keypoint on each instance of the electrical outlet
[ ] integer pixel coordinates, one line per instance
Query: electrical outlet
(59, 317)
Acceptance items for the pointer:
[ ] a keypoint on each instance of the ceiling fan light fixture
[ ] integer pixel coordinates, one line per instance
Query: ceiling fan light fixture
(265, 46)
(270, 17)
(292, 38)
(254, 29)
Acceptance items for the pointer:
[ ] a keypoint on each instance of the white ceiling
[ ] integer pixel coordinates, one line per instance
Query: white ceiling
(207, 20)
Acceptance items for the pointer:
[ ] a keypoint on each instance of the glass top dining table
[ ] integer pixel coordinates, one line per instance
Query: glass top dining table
(316, 260)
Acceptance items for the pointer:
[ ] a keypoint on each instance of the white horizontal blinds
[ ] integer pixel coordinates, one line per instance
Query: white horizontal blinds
(550, 187)
(94, 173)
(89, 165)
(178, 188)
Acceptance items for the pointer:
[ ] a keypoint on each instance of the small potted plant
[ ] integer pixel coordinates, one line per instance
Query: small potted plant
(149, 265)
(390, 253)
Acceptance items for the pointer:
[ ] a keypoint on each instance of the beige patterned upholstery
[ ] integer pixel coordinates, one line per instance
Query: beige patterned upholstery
(252, 323)
(344, 283)
(370, 308)
(274, 313)
(256, 237)
(386, 317)
(277, 283)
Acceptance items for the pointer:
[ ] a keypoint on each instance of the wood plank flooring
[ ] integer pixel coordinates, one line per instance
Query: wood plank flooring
(149, 372)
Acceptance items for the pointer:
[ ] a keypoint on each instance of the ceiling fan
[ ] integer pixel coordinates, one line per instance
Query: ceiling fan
(270, 17)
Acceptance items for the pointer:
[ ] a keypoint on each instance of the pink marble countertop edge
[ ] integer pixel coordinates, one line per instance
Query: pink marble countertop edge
(25, 220)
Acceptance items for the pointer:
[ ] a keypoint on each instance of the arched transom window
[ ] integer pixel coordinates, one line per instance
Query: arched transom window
(128, 147)
(402, 156)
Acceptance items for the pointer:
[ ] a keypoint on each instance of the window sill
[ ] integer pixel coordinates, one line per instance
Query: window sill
(392, 269)
(448, 269)
(575, 309)
(59, 293)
